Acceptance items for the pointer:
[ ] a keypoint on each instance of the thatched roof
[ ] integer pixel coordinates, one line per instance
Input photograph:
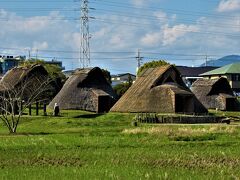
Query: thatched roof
(83, 90)
(155, 90)
(19, 74)
(212, 93)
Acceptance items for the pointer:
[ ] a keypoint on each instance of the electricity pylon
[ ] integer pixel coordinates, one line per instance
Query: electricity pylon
(85, 36)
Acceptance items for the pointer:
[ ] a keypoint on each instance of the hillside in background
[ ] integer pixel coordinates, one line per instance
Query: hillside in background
(223, 61)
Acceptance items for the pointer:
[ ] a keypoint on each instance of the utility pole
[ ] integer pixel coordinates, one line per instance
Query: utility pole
(36, 54)
(29, 54)
(85, 36)
(139, 59)
(206, 60)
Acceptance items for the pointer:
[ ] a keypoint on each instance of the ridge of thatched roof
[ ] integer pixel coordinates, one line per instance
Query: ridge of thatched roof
(153, 75)
(207, 86)
(152, 91)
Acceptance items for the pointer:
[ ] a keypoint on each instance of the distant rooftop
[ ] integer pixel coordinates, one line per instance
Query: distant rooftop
(123, 74)
(228, 69)
(194, 71)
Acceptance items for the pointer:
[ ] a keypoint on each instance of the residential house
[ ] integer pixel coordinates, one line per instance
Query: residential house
(122, 78)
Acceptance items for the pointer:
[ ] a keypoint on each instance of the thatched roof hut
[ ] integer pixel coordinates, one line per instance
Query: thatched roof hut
(19, 74)
(215, 93)
(86, 89)
(159, 90)
(23, 80)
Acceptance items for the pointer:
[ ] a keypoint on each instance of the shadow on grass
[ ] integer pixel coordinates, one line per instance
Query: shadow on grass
(25, 134)
(88, 116)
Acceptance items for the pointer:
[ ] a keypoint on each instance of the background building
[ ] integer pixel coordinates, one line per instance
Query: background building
(122, 78)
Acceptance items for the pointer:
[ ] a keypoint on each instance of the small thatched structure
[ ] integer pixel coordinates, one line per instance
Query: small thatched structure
(159, 90)
(215, 93)
(87, 89)
(23, 79)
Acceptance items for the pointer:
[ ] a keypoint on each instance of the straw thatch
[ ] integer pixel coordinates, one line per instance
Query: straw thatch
(215, 93)
(86, 89)
(22, 81)
(159, 90)
(17, 75)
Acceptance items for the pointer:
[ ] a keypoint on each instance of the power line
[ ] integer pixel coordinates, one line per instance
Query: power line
(143, 25)
(108, 52)
(154, 18)
(178, 11)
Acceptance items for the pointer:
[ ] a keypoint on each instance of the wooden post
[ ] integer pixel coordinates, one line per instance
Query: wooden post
(45, 109)
(37, 108)
(30, 109)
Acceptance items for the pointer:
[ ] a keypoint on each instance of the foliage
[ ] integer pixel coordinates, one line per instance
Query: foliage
(81, 145)
(120, 89)
(152, 64)
(54, 71)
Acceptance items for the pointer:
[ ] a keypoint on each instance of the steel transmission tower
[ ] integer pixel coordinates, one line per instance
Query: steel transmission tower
(85, 36)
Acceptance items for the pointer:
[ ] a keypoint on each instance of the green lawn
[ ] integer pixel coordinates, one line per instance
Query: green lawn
(82, 145)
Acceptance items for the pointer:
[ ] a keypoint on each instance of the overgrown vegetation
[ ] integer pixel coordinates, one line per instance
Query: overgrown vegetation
(54, 71)
(80, 145)
(152, 64)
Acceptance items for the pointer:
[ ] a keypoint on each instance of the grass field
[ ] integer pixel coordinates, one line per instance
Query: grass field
(82, 145)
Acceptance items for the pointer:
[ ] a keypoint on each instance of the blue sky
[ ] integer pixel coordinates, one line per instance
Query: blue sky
(182, 32)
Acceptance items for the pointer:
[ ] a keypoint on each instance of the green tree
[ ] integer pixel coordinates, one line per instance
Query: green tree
(120, 89)
(152, 64)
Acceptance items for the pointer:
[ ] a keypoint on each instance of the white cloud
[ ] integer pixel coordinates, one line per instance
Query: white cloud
(39, 32)
(138, 2)
(167, 35)
(229, 5)
(121, 34)
(40, 45)
(162, 16)
(152, 39)
(171, 34)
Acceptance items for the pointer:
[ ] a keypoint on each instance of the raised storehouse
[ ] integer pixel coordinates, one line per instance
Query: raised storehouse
(23, 80)
(159, 90)
(87, 89)
(215, 93)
